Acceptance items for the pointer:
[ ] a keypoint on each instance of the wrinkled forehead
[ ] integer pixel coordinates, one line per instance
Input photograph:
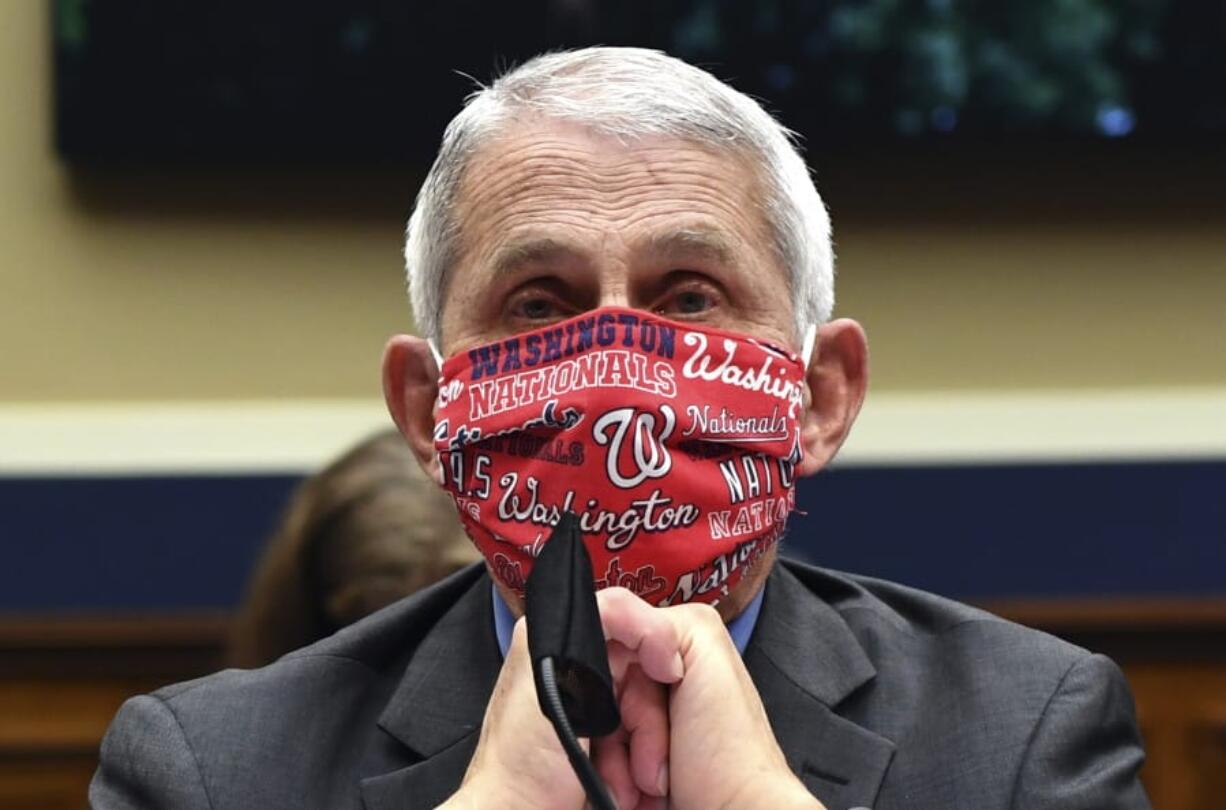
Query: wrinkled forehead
(544, 176)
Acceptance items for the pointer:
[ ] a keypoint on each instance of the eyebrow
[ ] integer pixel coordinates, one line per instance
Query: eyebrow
(532, 250)
(677, 245)
(690, 242)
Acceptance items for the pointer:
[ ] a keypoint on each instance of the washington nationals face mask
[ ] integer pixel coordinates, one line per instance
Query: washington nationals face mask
(674, 444)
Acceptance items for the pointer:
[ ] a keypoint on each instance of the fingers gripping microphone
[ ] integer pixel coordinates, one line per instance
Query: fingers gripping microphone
(570, 662)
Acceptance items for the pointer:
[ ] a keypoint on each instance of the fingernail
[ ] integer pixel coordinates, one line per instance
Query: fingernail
(678, 666)
(662, 780)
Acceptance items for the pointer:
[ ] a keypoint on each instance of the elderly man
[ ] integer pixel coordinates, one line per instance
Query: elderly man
(624, 275)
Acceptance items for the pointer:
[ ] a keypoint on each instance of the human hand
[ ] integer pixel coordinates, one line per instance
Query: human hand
(722, 752)
(707, 743)
(520, 763)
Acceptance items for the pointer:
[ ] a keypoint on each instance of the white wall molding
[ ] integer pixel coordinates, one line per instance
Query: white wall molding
(954, 427)
(960, 427)
(191, 437)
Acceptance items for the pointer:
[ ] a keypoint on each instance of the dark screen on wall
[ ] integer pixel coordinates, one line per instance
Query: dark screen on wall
(361, 81)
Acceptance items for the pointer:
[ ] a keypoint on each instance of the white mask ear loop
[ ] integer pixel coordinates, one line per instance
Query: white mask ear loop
(438, 357)
(806, 350)
(441, 478)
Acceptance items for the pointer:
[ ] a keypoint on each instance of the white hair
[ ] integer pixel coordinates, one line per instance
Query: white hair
(627, 93)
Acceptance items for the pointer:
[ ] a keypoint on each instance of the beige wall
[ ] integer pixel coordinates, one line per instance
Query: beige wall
(218, 285)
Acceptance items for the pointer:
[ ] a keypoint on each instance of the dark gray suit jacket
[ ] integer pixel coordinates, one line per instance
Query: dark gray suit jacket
(879, 695)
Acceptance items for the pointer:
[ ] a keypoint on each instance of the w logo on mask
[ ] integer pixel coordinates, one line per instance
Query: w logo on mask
(647, 456)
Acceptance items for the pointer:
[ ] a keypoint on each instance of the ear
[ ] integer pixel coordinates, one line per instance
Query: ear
(836, 381)
(410, 386)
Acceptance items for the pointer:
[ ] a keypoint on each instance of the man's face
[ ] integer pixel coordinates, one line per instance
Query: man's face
(554, 220)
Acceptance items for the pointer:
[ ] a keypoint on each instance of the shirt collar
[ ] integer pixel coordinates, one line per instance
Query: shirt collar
(740, 628)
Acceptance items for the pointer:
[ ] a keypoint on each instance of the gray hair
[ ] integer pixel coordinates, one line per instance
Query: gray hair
(627, 93)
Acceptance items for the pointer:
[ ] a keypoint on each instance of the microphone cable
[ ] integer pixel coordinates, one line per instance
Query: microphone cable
(570, 661)
(597, 793)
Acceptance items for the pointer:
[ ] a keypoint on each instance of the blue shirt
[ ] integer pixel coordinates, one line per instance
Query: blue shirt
(740, 628)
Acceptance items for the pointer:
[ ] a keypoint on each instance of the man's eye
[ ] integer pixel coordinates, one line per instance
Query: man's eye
(689, 301)
(535, 309)
(692, 302)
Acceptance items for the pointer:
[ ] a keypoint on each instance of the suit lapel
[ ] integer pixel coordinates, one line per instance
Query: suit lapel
(438, 706)
(805, 661)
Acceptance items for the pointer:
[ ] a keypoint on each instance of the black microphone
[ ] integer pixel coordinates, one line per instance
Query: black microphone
(570, 662)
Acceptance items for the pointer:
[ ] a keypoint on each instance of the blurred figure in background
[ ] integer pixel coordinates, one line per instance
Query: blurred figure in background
(362, 533)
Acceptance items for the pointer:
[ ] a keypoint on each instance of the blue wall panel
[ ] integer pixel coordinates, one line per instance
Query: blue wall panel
(1088, 529)
(133, 543)
(187, 542)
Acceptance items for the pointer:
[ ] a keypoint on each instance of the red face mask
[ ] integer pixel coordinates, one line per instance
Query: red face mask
(674, 444)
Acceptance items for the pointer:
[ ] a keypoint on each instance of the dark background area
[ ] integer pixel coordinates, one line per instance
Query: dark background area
(368, 81)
